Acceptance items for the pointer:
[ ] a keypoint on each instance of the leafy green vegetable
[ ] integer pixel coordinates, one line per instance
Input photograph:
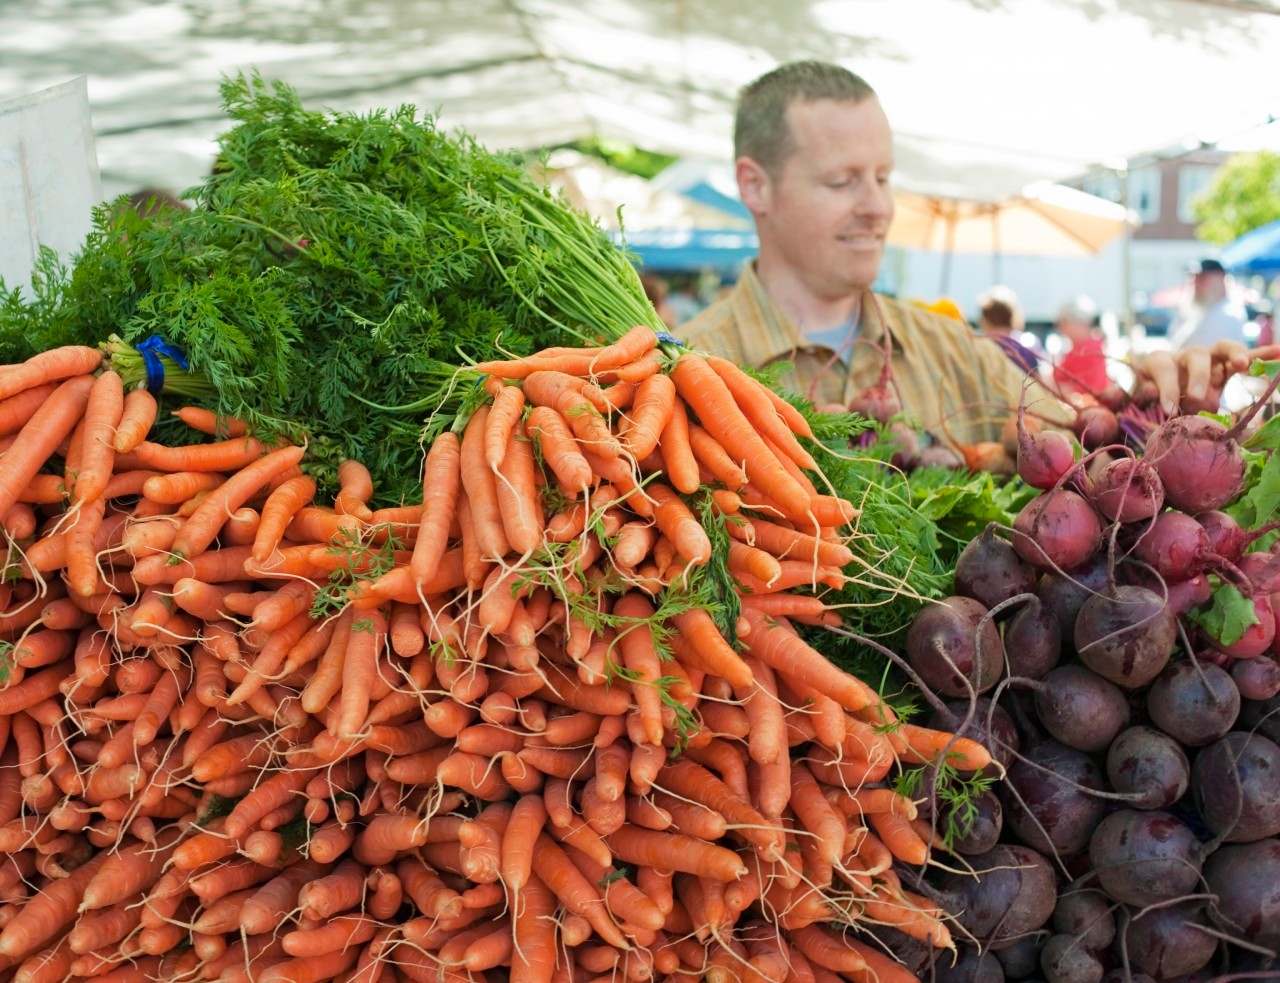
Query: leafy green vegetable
(1228, 616)
(333, 264)
(1261, 499)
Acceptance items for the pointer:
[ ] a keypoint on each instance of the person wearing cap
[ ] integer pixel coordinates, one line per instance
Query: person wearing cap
(1082, 369)
(813, 160)
(1212, 314)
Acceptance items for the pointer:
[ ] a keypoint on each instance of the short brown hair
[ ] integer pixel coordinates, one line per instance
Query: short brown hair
(760, 129)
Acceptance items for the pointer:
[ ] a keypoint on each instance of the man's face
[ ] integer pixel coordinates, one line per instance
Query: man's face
(1209, 286)
(827, 210)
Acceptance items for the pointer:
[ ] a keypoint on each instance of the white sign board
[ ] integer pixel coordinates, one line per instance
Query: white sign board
(48, 177)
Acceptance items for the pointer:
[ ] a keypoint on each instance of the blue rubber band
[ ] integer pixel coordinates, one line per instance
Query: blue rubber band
(668, 338)
(151, 349)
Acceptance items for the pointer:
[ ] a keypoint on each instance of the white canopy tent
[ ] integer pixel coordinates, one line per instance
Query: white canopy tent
(985, 95)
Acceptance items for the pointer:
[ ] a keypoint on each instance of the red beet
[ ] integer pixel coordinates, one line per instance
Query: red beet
(1199, 462)
(1057, 530)
(1126, 634)
(990, 571)
(1175, 544)
(1226, 538)
(1128, 490)
(1096, 426)
(1043, 457)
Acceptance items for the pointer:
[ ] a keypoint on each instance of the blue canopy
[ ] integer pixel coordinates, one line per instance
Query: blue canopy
(1257, 251)
(692, 249)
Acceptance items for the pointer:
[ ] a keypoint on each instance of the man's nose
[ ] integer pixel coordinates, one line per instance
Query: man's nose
(877, 202)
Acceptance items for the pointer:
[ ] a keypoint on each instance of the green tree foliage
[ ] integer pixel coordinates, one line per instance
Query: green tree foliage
(620, 155)
(1244, 195)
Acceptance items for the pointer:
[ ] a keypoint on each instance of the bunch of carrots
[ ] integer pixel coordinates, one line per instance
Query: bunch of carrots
(492, 736)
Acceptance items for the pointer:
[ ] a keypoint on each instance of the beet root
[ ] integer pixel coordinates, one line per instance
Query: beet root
(1065, 960)
(1013, 894)
(1042, 806)
(1080, 708)
(1057, 530)
(1096, 426)
(1246, 879)
(1142, 858)
(1128, 490)
(990, 571)
(1199, 463)
(1165, 942)
(1257, 679)
(1085, 913)
(1236, 786)
(1126, 634)
(1145, 762)
(1194, 704)
(1032, 641)
(948, 652)
(1175, 544)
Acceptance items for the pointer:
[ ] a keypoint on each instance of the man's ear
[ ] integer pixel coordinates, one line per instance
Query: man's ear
(754, 185)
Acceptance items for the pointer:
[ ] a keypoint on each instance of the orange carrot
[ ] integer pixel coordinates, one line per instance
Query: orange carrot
(677, 451)
(653, 408)
(674, 851)
(679, 525)
(518, 500)
(641, 660)
(439, 501)
(138, 415)
(49, 366)
(708, 452)
(504, 414)
(719, 413)
(203, 526)
(701, 645)
(355, 488)
(921, 745)
(761, 407)
(785, 652)
(16, 410)
(207, 421)
(561, 393)
(583, 361)
(559, 448)
(574, 891)
(174, 488)
(481, 488)
(102, 417)
(38, 438)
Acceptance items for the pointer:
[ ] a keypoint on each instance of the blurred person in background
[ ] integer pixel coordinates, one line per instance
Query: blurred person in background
(683, 299)
(149, 202)
(1212, 313)
(1082, 368)
(1000, 319)
(656, 289)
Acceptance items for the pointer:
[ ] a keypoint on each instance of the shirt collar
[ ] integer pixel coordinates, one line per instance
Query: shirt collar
(751, 304)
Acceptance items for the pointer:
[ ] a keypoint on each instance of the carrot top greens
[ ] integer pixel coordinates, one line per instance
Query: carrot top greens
(331, 264)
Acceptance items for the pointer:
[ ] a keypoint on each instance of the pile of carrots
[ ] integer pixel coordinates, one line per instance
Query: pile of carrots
(249, 736)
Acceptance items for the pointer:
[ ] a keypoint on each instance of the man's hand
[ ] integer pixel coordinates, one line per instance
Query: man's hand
(1191, 379)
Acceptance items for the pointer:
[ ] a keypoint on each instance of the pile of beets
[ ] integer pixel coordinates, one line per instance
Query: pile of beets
(1137, 832)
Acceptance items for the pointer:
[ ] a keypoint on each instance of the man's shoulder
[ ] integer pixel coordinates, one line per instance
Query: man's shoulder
(906, 320)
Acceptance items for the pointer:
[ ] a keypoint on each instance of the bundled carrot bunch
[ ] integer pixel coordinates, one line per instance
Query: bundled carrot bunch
(521, 731)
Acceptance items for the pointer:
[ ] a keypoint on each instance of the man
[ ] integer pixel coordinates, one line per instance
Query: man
(813, 158)
(1212, 315)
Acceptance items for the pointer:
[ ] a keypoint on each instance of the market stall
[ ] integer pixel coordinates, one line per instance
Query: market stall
(390, 598)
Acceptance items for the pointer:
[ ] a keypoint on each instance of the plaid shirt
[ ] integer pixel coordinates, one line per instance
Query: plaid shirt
(940, 367)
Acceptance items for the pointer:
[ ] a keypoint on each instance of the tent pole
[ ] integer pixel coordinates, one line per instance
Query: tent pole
(1126, 259)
